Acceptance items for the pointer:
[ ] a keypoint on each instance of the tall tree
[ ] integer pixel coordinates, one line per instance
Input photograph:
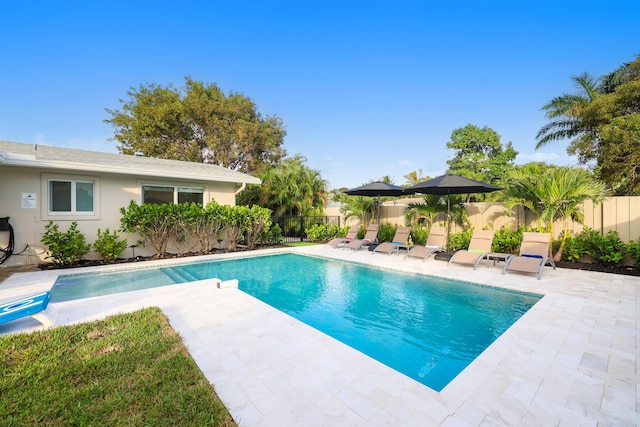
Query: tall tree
(616, 116)
(291, 188)
(200, 124)
(603, 121)
(479, 154)
(565, 115)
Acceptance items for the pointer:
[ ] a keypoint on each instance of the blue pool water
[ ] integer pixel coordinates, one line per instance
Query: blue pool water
(428, 328)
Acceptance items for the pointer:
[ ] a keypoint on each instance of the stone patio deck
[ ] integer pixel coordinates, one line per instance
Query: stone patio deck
(571, 360)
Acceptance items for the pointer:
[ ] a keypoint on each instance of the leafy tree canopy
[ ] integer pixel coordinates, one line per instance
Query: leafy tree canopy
(616, 116)
(200, 124)
(479, 154)
(290, 188)
(604, 121)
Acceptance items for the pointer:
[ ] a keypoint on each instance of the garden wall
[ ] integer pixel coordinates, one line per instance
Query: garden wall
(621, 213)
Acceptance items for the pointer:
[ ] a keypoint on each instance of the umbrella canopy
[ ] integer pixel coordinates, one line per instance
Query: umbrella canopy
(376, 189)
(451, 184)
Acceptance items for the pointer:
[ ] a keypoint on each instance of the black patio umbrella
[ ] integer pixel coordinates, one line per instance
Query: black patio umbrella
(376, 189)
(451, 184)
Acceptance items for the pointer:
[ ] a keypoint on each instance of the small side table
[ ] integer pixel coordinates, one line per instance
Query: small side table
(406, 248)
(497, 256)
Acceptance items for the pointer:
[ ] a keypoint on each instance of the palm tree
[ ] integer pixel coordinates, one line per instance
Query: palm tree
(361, 207)
(563, 192)
(552, 194)
(290, 188)
(434, 205)
(415, 177)
(522, 189)
(565, 113)
(429, 208)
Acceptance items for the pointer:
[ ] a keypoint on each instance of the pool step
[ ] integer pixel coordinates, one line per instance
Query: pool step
(179, 275)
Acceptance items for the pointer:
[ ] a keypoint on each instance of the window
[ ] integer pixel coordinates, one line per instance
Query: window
(159, 194)
(70, 197)
(188, 195)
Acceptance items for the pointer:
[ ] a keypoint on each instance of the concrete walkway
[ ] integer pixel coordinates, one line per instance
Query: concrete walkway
(571, 360)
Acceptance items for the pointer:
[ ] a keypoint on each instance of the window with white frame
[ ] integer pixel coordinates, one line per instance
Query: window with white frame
(159, 194)
(71, 196)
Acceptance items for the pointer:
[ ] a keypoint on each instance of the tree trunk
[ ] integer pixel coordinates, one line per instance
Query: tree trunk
(558, 255)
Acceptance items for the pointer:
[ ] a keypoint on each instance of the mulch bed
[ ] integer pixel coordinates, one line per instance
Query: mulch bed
(626, 270)
(93, 263)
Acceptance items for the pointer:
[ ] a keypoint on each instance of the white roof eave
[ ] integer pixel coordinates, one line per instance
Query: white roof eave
(27, 161)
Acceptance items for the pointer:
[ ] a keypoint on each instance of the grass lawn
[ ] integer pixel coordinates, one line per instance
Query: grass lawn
(300, 244)
(127, 370)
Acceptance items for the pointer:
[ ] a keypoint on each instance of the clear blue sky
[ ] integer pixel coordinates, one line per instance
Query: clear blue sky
(365, 88)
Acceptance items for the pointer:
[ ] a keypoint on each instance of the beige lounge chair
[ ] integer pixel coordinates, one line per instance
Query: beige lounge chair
(370, 236)
(534, 254)
(435, 243)
(341, 241)
(400, 238)
(479, 248)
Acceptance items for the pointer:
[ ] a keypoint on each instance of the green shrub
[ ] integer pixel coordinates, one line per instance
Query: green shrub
(233, 220)
(606, 249)
(633, 249)
(419, 235)
(208, 225)
(506, 241)
(386, 232)
(108, 246)
(191, 224)
(65, 248)
(460, 240)
(574, 247)
(154, 223)
(325, 232)
(257, 220)
(273, 235)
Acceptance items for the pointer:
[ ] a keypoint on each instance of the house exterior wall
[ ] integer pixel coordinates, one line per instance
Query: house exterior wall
(28, 218)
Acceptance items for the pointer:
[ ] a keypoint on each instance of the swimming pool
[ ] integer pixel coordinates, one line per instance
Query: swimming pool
(428, 328)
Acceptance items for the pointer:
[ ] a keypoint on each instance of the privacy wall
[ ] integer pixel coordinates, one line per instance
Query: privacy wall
(621, 214)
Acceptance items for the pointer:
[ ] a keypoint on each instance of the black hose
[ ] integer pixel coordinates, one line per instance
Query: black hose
(5, 253)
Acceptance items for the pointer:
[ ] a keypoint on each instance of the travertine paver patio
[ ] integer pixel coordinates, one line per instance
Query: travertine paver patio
(571, 360)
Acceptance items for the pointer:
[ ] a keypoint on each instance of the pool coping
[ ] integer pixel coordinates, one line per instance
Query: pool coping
(571, 359)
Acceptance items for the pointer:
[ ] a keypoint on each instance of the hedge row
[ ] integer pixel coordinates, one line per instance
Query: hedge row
(188, 227)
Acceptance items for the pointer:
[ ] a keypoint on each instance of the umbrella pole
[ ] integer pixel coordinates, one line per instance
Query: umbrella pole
(448, 222)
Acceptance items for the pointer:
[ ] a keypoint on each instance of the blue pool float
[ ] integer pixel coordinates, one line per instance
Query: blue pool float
(29, 306)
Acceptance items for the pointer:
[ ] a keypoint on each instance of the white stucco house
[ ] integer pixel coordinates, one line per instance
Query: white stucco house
(40, 183)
